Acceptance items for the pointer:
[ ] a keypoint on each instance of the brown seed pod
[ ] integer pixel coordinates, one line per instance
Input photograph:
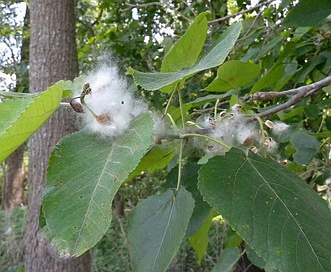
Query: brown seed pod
(86, 91)
(103, 119)
(77, 107)
(249, 141)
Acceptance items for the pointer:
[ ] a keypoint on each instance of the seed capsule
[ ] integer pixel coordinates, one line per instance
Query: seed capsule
(103, 119)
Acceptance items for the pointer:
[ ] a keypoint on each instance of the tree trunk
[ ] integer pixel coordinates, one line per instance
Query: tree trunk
(15, 174)
(53, 56)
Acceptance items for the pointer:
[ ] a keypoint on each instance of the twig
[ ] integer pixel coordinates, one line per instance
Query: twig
(252, 25)
(225, 18)
(65, 105)
(305, 89)
(98, 17)
(10, 48)
(261, 96)
(180, 165)
(298, 94)
(132, 6)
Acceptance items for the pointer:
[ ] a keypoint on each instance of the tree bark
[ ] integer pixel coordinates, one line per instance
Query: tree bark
(14, 176)
(53, 57)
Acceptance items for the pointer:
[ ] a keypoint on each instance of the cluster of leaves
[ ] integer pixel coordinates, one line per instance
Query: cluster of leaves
(139, 33)
(282, 220)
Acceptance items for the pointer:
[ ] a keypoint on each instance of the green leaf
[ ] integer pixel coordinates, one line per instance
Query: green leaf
(84, 174)
(200, 101)
(312, 111)
(157, 158)
(234, 74)
(308, 13)
(199, 241)
(275, 211)
(289, 71)
(287, 115)
(5, 94)
(309, 67)
(307, 147)
(257, 260)
(274, 43)
(189, 181)
(269, 79)
(232, 239)
(215, 57)
(228, 260)
(22, 115)
(158, 226)
(185, 52)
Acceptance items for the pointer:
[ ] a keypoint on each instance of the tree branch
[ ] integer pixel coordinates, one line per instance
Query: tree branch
(98, 17)
(225, 18)
(298, 94)
(132, 6)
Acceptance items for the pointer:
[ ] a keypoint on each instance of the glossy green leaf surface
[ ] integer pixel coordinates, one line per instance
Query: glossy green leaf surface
(215, 57)
(157, 229)
(234, 74)
(84, 174)
(276, 212)
(22, 115)
(185, 52)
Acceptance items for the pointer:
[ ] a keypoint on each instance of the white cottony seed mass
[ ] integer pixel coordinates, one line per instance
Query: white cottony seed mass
(111, 104)
(231, 128)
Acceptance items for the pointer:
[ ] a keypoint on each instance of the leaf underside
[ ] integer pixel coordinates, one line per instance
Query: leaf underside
(157, 228)
(77, 202)
(22, 115)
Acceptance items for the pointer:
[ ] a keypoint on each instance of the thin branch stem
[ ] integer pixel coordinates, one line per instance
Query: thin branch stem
(172, 121)
(98, 17)
(181, 107)
(180, 162)
(252, 25)
(169, 101)
(298, 94)
(132, 6)
(180, 159)
(10, 48)
(215, 108)
(306, 89)
(65, 105)
(225, 18)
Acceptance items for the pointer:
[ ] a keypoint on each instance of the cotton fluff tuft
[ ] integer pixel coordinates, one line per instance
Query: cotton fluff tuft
(231, 128)
(111, 101)
(280, 130)
(328, 189)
